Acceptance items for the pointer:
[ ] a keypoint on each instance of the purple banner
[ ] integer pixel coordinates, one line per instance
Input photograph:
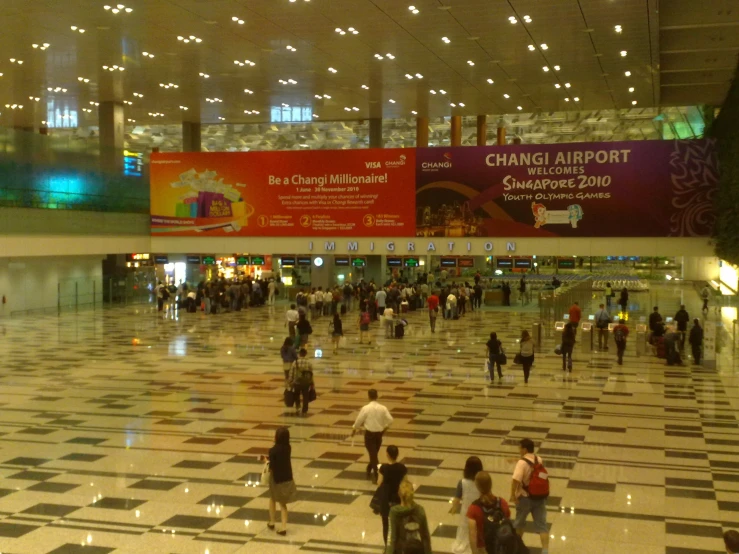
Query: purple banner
(613, 189)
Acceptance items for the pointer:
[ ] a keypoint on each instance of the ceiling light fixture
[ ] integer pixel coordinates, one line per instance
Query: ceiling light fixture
(432, 91)
(519, 108)
(248, 91)
(567, 85)
(214, 100)
(453, 105)
(83, 80)
(567, 99)
(34, 98)
(379, 57)
(291, 48)
(414, 112)
(56, 89)
(347, 109)
(13, 60)
(137, 94)
(532, 47)
(156, 114)
(355, 109)
(461, 104)
(513, 20)
(221, 118)
(390, 56)
(316, 115)
(624, 53)
(237, 20)
(128, 102)
(168, 85)
(506, 96)
(408, 76)
(557, 68)
(365, 87)
(191, 38)
(557, 85)
(544, 47)
(442, 91)
(413, 10)
(147, 55)
(14, 106)
(353, 31)
(204, 75)
(545, 68)
(93, 103)
(332, 70)
(446, 40)
(183, 108)
(634, 102)
(43, 46)
(490, 81)
(392, 101)
(118, 9)
(527, 19)
(77, 29)
(631, 89)
(627, 73)
(113, 68)
(419, 76)
(470, 62)
(340, 31)
(618, 28)
(576, 99)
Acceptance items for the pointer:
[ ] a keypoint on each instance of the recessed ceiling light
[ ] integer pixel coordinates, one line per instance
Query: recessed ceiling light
(557, 68)
(567, 99)
(432, 91)
(221, 118)
(353, 31)
(214, 100)
(379, 57)
(237, 20)
(414, 112)
(519, 108)
(618, 28)
(147, 55)
(392, 101)
(138, 94)
(442, 91)
(347, 109)
(191, 38)
(461, 104)
(83, 80)
(355, 109)
(316, 115)
(446, 40)
(557, 85)
(291, 48)
(506, 96)
(453, 105)
(332, 70)
(576, 99)
(470, 62)
(365, 87)
(183, 108)
(624, 53)
(532, 47)
(205, 75)
(77, 29)
(545, 68)
(128, 102)
(627, 73)
(413, 9)
(490, 81)
(390, 56)
(544, 47)
(527, 19)
(567, 85)
(408, 76)
(513, 20)
(631, 89)
(634, 102)
(419, 76)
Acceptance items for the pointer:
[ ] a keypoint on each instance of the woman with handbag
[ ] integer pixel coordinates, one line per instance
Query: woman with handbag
(282, 489)
(495, 357)
(391, 475)
(289, 356)
(525, 354)
(466, 494)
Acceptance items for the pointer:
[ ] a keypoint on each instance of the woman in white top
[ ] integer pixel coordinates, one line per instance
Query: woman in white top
(466, 494)
(527, 354)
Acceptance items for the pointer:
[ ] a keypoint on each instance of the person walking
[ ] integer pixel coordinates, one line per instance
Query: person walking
(696, 341)
(494, 350)
(433, 305)
(375, 419)
(409, 527)
(526, 351)
(291, 320)
(271, 290)
(464, 496)
(337, 331)
(705, 296)
(568, 345)
(655, 318)
(620, 332)
(289, 357)
(365, 318)
(602, 320)
(477, 291)
(483, 508)
(609, 295)
(391, 475)
(282, 489)
(506, 294)
(381, 298)
(304, 329)
(520, 496)
(575, 314)
(682, 318)
(624, 299)
(159, 293)
(389, 318)
(301, 381)
(451, 306)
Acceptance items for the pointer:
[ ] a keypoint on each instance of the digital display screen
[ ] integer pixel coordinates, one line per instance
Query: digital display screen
(242, 260)
(161, 259)
(504, 263)
(566, 263)
(448, 262)
(466, 262)
(359, 262)
(257, 260)
(394, 262)
(209, 260)
(411, 262)
(191, 259)
(287, 261)
(304, 260)
(522, 262)
(341, 260)
(133, 163)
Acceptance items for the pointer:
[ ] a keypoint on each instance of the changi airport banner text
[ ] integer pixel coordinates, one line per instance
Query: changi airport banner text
(279, 194)
(614, 189)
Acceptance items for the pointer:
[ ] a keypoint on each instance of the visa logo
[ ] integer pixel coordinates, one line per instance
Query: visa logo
(373, 165)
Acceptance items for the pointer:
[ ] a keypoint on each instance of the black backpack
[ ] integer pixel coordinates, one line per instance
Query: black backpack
(409, 532)
(498, 533)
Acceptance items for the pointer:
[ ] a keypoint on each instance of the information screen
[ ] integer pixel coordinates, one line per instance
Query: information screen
(522, 263)
(242, 260)
(192, 259)
(394, 262)
(341, 260)
(161, 259)
(257, 260)
(411, 262)
(304, 260)
(466, 262)
(504, 263)
(209, 260)
(359, 262)
(287, 261)
(448, 262)
(566, 263)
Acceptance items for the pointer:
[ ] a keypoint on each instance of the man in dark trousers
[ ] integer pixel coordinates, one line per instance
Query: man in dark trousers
(682, 318)
(374, 418)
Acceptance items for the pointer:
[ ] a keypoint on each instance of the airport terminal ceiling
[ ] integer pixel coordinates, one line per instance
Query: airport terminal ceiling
(326, 60)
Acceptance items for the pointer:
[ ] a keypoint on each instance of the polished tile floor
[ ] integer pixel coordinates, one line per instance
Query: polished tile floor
(106, 446)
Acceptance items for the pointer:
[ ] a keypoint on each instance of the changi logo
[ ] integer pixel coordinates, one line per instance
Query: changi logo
(436, 166)
(398, 163)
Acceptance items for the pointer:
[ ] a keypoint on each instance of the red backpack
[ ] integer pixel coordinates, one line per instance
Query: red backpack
(538, 487)
(365, 318)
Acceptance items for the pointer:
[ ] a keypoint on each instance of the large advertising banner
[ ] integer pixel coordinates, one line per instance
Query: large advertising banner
(613, 189)
(280, 194)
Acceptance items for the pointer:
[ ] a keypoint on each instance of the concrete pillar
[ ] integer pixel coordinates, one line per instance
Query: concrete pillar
(456, 130)
(191, 136)
(375, 133)
(422, 132)
(501, 134)
(111, 121)
(482, 130)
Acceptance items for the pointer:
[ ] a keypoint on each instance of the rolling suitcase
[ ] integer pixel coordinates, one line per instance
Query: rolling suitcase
(399, 331)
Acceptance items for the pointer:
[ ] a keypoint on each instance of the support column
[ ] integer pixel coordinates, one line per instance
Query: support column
(501, 134)
(482, 130)
(422, 132)
(110, 116)
(456, 130)
(375, 133)
(191, 136)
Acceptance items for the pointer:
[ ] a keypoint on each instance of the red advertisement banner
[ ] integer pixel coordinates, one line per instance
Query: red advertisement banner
(352, 193)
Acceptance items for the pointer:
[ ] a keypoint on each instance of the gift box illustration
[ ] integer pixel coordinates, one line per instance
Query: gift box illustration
(206, 196)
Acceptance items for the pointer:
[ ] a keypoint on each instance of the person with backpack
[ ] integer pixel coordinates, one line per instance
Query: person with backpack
(682, 318)
(289, 356)
(696, 341)
(620, 332)
(624, 299)
(301, 381)
(304, 329)
(568, 345)
(409, 528)
(529, 492)
(489, 521)
(602, 319)
(495, 352)
(365, 318)
(465, 495)
(391, 476)
(337, 331)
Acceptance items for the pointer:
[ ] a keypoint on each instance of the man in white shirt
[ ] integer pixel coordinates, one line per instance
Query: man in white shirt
(312, 303)
(291, 317)
(271, 288)
(328, 298)
(520, 497)
(389, 318)
(381, 297)
(375, 419)
(444, 275)
(451, 306)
